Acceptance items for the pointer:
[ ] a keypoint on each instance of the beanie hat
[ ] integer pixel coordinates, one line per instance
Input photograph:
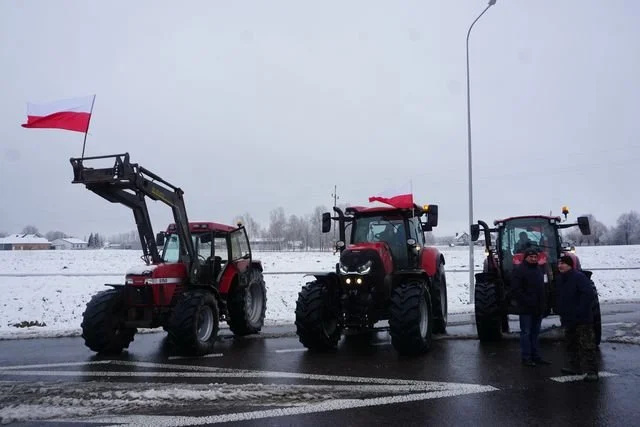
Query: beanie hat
(567, 260)
(530, 252)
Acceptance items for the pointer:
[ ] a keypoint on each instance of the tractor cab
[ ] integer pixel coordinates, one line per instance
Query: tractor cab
(516, 235)
(493, 296)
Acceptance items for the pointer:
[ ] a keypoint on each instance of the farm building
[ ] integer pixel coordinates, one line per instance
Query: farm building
(23, 242)
(69, 243)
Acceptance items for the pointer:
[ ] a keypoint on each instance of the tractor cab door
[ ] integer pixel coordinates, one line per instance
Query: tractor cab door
(240, 253)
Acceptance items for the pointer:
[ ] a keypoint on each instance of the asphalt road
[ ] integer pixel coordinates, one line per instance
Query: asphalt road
(271, 380)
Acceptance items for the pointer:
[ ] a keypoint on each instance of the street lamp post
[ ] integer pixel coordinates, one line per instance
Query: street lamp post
(471, 275)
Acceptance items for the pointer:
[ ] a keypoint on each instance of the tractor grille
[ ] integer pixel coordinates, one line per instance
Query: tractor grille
(138, 295)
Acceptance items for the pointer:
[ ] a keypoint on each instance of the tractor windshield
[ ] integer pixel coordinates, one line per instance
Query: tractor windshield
(389, 229)
(171, 251)
(521, 234)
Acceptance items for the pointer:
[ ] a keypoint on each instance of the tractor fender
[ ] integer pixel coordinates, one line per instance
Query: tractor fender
(430, 260)
(331, 278)
(228, 275)
(255, 264)
(402, 276)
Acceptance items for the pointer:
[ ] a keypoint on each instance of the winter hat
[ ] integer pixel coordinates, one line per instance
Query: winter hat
(530, 252)
(567, 260)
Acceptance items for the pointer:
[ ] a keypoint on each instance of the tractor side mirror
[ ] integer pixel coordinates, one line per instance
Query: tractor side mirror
(432, 216)
(326, 222)
(583, 224)
(475, 232)
(160, 238)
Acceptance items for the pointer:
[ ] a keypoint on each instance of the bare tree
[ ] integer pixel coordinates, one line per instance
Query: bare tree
(277, 224)
(54, 235)
(627, 230)
(251, 225)
(599, 233)
(30, 229)
(3, 234)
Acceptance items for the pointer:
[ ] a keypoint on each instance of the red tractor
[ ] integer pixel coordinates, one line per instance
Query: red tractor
(493, 288)
(385, 273)
(204, 274)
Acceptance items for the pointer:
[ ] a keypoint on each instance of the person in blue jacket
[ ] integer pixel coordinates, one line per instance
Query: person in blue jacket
(529, 293)
(576, 297)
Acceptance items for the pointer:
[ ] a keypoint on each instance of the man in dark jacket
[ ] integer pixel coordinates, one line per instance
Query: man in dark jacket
(575, 304)
(529, 293)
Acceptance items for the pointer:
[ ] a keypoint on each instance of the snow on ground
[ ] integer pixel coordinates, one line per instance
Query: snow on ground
(53, 287)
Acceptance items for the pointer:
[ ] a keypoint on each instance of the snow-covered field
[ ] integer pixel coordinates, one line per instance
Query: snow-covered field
(52, 287)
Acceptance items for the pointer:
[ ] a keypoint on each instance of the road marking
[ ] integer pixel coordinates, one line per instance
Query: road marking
(55, 365)
(393, 391)
(330, 405)
(381, 343)
(572, 378)
(290, 350)
(195, 357)
(617, 324)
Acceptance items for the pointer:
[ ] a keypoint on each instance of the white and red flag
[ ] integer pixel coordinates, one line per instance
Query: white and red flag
(399, 197)
(71, 114)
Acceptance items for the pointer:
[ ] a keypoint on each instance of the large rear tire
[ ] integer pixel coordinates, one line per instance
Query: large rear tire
(489, 320)
(440, 304)
(247, 306)
(102, 325)
(411, 321)
(316, 318)
(193, 327)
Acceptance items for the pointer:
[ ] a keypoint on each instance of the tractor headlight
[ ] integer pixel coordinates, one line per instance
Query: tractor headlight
(343, 269)
(361, 269)
(365, 268)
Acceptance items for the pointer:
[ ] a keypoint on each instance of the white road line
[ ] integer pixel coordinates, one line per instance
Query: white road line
(330, 405)
(55, 365)
(195, 357)
(290, 350)
(571, 378)
(381, 343)
(617, 324)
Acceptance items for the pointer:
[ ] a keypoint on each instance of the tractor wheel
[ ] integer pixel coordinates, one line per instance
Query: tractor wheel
(103, 323)
(440, 306)
(410, 324)
(193, 327)
(316, 319)
(247, 306)
(489, 320)
(597, 318)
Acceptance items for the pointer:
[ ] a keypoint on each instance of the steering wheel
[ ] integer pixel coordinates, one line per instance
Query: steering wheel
(202, 258)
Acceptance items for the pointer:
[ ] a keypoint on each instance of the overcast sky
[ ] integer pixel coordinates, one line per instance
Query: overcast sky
(252, 105)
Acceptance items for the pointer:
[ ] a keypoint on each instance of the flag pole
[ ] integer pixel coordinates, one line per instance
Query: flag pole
(88, 122)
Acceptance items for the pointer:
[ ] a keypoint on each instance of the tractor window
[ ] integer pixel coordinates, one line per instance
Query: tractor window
(204, 245)
(220, 248)
(239, 247)
(415, 231)
(172, 249)
(524, 233)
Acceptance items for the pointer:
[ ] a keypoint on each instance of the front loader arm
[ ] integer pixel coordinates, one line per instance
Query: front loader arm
(128, 183)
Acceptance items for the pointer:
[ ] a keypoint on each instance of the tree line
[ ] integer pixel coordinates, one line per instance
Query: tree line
(304, 232)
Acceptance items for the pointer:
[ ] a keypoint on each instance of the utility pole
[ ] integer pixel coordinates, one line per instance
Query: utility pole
(335, 203)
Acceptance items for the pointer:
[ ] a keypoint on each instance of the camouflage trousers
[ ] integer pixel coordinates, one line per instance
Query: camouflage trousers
(581, 346)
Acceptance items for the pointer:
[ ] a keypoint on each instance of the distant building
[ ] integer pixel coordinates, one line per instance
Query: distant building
(462, 239)
(69, 243)
(23, 242)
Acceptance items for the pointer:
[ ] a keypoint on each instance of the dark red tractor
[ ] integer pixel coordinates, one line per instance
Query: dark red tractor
(386, 272)
(204, 274)
(493, 288)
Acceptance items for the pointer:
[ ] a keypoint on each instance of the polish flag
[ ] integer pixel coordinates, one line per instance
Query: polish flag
(70, 114)
(397, 197)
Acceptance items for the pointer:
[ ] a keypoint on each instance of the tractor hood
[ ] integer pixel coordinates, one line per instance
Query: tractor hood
(357, 255)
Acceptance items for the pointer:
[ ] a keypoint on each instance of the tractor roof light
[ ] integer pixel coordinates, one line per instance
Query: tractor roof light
(425, 208)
